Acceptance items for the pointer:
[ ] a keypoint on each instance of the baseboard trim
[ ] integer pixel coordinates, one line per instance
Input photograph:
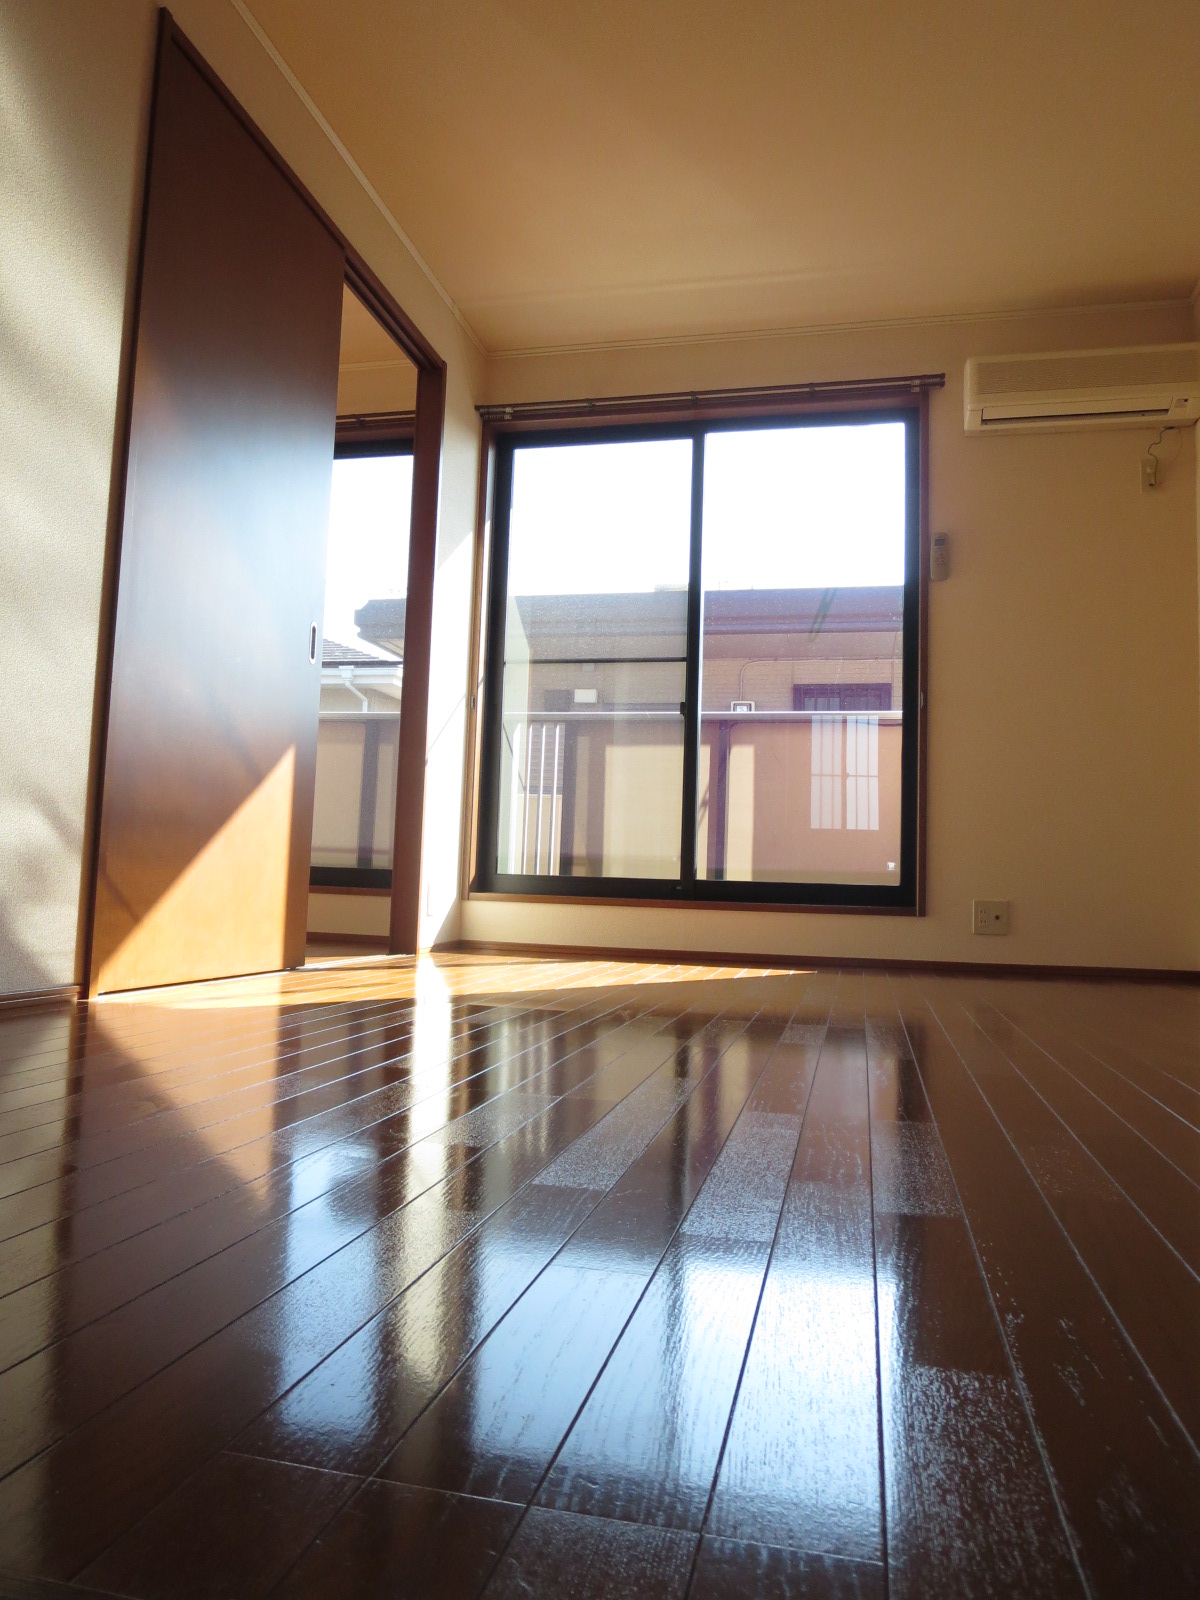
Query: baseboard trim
(40, 999)
(740, 958)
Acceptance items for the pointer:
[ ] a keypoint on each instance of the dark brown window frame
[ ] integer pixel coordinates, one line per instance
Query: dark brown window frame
(634, 416)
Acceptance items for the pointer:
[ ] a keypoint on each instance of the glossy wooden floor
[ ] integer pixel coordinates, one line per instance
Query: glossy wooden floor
(502, 1278)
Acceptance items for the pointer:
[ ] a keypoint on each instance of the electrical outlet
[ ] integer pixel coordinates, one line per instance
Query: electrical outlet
(989, 916)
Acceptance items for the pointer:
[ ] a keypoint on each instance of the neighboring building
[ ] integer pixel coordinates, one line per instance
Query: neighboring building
(799, 775)
(358, 742)
(763, 645)
(800, 735)
(381, 623)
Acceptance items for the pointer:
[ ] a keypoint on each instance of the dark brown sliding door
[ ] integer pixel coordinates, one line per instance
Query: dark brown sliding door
(207, 790)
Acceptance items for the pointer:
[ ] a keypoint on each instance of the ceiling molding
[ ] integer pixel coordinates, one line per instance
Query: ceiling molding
(819, 330)
(368, 188)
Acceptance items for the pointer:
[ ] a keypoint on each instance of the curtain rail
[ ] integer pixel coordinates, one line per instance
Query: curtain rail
(701, 401)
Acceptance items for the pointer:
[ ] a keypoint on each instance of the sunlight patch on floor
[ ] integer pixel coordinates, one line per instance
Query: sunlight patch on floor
(460, 975)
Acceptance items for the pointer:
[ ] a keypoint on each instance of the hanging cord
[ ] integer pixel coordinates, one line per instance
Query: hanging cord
(1153, 450)
(1152, 461)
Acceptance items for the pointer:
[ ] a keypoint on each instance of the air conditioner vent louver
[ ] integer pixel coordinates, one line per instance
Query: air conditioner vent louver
(1083, 389)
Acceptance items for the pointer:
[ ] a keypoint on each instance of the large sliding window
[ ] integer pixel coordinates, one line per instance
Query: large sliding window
(702, 662)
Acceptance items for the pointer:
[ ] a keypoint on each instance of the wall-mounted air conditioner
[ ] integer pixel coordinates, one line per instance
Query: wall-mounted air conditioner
(1157, 384)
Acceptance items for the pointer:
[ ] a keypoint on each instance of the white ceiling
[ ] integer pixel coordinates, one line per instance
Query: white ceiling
(587, 171)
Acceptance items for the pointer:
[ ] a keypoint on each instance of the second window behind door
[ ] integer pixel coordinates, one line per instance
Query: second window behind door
(362, 665)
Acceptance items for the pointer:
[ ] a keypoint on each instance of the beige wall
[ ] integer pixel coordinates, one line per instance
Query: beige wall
(1196, 452)
(376, 386)
(74, 84)
(361, 915)
(1064, 676)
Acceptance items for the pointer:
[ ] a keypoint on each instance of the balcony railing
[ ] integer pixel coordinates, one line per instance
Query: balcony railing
(844, 768)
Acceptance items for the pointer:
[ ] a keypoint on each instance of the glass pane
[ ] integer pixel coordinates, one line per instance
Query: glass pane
(801, 684)
(595, 633)
(362, 656)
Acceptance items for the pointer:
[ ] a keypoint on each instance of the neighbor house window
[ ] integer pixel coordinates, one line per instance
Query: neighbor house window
(362, 666)
(702, 662)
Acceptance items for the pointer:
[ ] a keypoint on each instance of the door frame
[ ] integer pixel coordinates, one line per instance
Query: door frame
(427, 451)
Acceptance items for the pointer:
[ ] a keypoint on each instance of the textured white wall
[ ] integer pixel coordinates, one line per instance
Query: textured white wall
(1064, 767)
(1196, 336)
(1065, 574)
(74, 86)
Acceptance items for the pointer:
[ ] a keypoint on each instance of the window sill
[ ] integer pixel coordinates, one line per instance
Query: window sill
(806, 908)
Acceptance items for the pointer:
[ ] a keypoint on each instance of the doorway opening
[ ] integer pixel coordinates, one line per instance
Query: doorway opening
(200, 842)
(362, 637)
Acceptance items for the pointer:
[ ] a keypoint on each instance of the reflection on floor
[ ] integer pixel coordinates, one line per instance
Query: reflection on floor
(580, 1279)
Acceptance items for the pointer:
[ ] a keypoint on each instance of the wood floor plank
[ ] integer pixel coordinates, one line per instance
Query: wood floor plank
(495, 1429)
(119, 1052)
(1134, 1023)
(445, 1321)
(970, 1507)
(100, 1156)
(104, 1033)
(95, 1226)
(465, 1078)
(236, 1527)
(1076, 1039)
(505, 1275)
(1131, 1264)
(727, 1569)
(592, 1558)
(1097, 1120)
(1160, 1109)
(251, 1055)
(353, 1180)
(395, 1540)
(44, 1031)
(121, 1349)
(1126, 1475)
(646, 1444)
(138, 1084)
(125, 1458)
(351, 1408)
(114, 1128)
(135, 1095)
(801, 1465)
